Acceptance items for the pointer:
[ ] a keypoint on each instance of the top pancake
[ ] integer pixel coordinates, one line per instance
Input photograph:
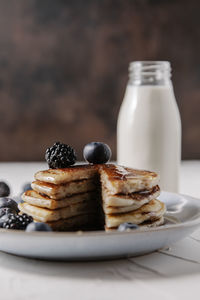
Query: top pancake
(122, 180)
(116, 179)
(74, 173)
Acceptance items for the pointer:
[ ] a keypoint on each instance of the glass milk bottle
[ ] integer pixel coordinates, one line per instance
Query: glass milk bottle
(149, 125)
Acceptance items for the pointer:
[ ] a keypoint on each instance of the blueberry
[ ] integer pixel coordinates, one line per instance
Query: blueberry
(127, 226)
(7, 202)
(26, 187)
(34, 226)
(5, 211)
(97, 153)
(4, 189)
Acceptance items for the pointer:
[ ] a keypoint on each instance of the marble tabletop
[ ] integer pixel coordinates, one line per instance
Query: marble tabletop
(172, 273)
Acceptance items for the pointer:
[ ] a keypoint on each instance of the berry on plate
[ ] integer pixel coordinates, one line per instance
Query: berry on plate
(8, 202)
(127, 226)
(38, 226)
(4, 189)
(14, 221)
(6, 211)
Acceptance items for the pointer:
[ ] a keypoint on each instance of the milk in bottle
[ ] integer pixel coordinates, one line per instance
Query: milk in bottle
(149, 126)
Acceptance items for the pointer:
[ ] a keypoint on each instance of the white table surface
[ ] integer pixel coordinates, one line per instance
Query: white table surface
(172, 273)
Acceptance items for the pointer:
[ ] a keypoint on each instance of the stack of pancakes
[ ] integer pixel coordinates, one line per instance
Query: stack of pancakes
(87, 196)
(129, 195)
(65, 199)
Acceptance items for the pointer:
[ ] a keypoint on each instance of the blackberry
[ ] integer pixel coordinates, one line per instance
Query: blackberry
(60, 156)
(4, 189)
(13, 221)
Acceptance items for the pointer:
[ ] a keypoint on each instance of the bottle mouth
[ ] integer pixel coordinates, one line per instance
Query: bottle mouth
(149, 71)
(149, 66)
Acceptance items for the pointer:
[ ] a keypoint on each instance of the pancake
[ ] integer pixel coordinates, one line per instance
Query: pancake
(74, 173)
(148, 224)
(153, 223)
(47, 215)
(121, 180)
(60, 191)
(124, 209)
(34, 198)
(154, 209)
(124, 203)
(80, 222)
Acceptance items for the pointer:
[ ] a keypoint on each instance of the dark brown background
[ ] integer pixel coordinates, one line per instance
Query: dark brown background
(63, 69)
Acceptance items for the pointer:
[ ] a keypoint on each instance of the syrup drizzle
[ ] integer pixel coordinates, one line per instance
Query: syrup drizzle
(122, 172)
(119, 172)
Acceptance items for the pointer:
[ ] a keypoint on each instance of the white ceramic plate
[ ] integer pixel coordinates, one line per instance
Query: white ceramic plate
(182, 218)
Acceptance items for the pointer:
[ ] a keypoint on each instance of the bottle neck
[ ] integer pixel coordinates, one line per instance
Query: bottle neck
(150, 73)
